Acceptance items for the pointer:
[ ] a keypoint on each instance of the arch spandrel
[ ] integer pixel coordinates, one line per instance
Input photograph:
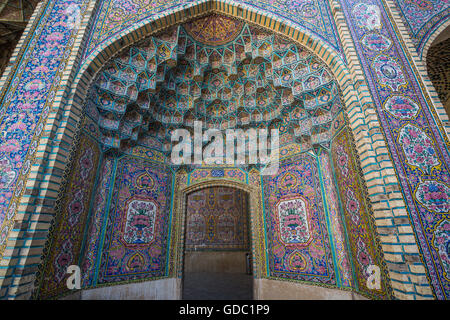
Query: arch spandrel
(112, 19)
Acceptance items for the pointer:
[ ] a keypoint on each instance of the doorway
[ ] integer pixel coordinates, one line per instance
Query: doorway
(217, 246)
(438, 66)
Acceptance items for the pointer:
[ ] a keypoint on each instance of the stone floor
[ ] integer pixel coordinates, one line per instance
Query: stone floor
(217, 286)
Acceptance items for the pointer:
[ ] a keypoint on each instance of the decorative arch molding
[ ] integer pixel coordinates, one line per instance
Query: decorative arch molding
(419, 57)
(152, 25)
(352, 98)
(439, 28)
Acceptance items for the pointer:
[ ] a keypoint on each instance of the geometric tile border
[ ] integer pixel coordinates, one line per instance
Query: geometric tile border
(34, 212)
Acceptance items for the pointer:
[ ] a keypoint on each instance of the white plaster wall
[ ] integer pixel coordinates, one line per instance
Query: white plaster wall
(163, 289)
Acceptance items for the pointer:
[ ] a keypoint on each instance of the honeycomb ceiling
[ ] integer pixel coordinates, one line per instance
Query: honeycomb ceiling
(217, 70)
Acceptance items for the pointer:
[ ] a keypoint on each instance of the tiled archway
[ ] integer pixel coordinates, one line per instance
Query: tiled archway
(254, 211)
